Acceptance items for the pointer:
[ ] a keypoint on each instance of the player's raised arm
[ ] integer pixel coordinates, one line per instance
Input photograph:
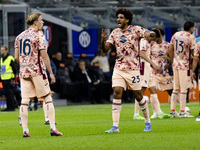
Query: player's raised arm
(105, 45)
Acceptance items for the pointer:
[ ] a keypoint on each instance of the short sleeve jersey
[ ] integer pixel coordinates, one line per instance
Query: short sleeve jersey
(159, 54)
(127, 47)
(29, 43)
(183, 43)
(144, 46)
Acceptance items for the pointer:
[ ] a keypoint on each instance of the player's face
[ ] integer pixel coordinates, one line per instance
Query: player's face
(40, 23)
(152, 39)
(192, 29)
(122, 22)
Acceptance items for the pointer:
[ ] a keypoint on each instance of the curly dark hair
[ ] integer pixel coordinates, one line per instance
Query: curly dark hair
(128, 14)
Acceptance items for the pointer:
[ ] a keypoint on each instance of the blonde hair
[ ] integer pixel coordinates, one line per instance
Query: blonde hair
(32, 17)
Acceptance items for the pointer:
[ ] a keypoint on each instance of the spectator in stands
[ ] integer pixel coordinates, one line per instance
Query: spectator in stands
(88, 80)
(102, 59)
(87, 60)
(70, 61)
(106, 85)
(63, 74)
(54, 69)
(58, 59)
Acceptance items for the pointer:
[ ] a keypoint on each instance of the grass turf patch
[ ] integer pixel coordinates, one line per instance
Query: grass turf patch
(84, 126)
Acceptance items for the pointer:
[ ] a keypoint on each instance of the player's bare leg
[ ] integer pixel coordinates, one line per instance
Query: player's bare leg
(116, 109)
(144, 107)
(51, 115)
(24, 116)
(137, 108)
(174, 101)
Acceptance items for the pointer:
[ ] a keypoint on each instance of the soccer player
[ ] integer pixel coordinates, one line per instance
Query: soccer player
(126, 71)
(147, 79)
(181, 47)
(159, 55)
(31, 54)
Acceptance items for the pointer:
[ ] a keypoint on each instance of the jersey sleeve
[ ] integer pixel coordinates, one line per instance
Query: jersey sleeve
(42, 42)
(143, 44)
(141, 31)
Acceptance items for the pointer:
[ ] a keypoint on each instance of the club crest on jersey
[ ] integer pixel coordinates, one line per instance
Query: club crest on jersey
(143, 44)
(44, 42)
(123, 39)
(160, 53)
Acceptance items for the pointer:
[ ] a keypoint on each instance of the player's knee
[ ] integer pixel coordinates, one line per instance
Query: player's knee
(117, 94)
(48, 98)
(138, 97)
(183, 90)
(153, 90)
(175, 90)
(25, 101)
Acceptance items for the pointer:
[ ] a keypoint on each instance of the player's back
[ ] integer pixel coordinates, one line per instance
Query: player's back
(183, 43)
(29, 59)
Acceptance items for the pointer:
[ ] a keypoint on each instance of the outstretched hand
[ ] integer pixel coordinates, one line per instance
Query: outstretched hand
(103, 35)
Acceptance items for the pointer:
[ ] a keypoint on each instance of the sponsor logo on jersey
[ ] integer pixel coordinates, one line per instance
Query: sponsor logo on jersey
(160, 53)
(123, 39)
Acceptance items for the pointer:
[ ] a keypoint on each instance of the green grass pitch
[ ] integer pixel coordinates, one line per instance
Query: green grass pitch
(83, 128)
